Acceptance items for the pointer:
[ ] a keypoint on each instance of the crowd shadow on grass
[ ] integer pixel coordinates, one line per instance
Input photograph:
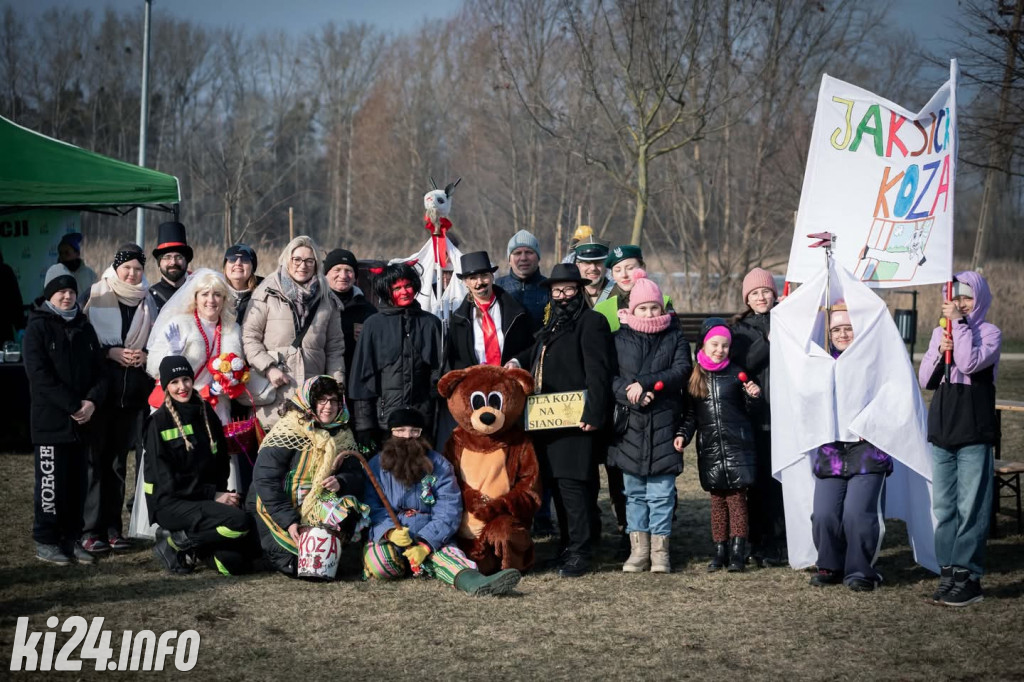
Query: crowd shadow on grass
(898, 568)
(1005, 555)
(1011, 591)
(146, 587)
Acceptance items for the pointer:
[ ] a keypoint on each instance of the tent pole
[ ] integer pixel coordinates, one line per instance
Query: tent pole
(140, 217)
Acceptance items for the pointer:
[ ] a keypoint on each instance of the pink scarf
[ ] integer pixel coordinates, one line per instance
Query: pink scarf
(710, 365)
(645, 325)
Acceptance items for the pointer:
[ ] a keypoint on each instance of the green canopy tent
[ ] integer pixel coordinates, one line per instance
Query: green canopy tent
(41, 177)
(37, 171)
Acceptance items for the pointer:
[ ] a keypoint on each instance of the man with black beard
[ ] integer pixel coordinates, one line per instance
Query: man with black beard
(574, 352)
(421, 488)
(173, 254)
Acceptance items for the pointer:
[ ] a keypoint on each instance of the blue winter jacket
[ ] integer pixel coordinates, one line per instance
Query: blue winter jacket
(433, 522)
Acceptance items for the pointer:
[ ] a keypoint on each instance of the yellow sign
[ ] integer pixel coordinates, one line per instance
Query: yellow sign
(555, 410)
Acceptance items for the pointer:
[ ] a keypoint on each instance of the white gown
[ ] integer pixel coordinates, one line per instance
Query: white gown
(869, 392)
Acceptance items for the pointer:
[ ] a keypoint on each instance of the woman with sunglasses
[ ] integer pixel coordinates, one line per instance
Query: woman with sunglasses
(240, 270)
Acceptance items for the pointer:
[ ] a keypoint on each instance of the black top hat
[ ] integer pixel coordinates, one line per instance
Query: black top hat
(170, 238)
(474, 263)
(565, 272)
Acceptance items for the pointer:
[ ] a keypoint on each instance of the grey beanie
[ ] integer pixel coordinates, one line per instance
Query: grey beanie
(58, 278)
(522, 238)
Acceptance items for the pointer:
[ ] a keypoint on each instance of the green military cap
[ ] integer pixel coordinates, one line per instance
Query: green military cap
(591, 249)
(621, 253)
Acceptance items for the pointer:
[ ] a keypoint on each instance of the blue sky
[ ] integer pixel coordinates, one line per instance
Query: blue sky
(929, 20)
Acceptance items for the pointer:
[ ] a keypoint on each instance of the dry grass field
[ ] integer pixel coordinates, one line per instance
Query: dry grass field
(758, 625)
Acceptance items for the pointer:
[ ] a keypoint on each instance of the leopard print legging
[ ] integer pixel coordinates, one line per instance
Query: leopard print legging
(728, 513)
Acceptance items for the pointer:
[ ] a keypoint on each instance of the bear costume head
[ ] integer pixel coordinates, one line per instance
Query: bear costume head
(485, 399)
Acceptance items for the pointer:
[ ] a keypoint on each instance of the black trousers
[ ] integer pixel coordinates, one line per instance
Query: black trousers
(764, 501)
(59, 495)
(117, 430)
(573, 504)
(220, 531)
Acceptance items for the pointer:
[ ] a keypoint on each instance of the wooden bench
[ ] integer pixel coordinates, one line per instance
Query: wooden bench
(1006, 473)
(1007, 476)
(691, 322)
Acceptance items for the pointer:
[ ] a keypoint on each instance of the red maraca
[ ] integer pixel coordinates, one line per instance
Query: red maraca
(658, 385)
(742, 376)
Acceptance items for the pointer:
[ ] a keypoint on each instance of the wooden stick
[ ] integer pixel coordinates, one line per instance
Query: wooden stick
(291, 223)
(376, 486)
(949, 331)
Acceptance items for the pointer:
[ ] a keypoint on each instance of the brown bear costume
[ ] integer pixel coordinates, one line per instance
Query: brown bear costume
(495, 464)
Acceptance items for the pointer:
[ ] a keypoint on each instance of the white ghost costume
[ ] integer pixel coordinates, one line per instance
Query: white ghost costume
(869, 392)
(430, 269)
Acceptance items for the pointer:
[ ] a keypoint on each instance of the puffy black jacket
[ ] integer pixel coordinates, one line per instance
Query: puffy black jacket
(726, 458)
(63, 361)
(172, 472)
(646, 448)
(397, 363)
(750, 349)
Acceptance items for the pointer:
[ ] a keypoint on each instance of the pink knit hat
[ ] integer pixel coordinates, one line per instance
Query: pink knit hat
(839, 314)
(643, 291)
(757, 278)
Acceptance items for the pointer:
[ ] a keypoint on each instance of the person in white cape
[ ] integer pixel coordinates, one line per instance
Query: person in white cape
(868, 392)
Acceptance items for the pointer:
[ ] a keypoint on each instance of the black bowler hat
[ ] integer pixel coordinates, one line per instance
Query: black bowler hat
(564, 272)
(171, 239)
(474, 263)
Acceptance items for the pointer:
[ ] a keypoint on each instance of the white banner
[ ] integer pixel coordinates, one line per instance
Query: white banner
(881, 179)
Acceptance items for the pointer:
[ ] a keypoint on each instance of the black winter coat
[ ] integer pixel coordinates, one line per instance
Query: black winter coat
(129, 387)
(64, 362)
(580, 356)
(397, 363)
(242, 299)
(646, 448)
(726, 458)
(354, 311)
(751, 349)
(173, 472)
(516, 324)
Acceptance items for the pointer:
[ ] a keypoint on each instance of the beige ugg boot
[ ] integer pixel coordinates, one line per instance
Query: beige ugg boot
(660, 562)
(639, 553)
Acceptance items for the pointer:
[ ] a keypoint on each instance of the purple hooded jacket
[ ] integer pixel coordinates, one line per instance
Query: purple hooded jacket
(963, 410)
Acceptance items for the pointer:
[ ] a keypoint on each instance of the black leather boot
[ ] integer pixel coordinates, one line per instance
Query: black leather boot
(738, 555)
(721, 557)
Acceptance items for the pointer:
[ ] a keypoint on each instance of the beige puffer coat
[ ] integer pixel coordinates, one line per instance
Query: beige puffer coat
(267, 337)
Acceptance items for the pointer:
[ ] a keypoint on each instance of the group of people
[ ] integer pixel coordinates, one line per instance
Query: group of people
(327, 375)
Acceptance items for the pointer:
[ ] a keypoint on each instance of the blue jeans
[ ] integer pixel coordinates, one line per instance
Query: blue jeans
(650, 501)
(962, 483)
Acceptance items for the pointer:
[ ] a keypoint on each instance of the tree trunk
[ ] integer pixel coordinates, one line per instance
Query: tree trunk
(642, 191)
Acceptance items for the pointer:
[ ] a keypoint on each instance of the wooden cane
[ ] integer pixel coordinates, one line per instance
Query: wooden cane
(376, 486)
